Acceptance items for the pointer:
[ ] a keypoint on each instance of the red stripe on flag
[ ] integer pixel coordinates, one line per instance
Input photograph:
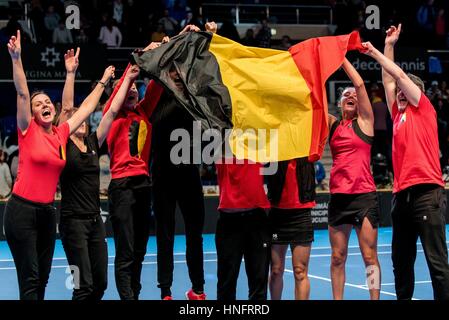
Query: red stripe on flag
(317, 59)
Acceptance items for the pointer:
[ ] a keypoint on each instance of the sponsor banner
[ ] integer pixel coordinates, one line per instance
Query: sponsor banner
(46, 63)
(411, 60)
(319, 213)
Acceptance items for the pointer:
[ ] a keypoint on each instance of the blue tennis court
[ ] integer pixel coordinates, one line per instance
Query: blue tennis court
(319, 272)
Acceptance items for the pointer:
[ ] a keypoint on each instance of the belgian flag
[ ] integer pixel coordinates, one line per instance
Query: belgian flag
(229, 85)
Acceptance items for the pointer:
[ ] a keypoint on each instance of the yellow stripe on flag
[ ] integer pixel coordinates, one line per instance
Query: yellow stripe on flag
(267, 92)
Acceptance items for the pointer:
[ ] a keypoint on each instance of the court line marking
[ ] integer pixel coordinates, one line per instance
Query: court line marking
(112, 264)
(392, 283)
(362, 287)
(324, 255)
(214, 252)
(347, 284)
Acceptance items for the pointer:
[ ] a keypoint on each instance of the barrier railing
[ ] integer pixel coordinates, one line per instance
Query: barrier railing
(282, 14)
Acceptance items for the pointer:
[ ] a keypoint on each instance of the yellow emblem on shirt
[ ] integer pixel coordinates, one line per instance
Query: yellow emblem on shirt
(142, 137)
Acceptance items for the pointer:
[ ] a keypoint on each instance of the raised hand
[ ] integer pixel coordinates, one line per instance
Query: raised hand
(190, 27)
(368, 48)
(71, 60)
(211, 27)
(392, 35)
(133, 72)
(14, 47)
(151, 46)
(109, 73)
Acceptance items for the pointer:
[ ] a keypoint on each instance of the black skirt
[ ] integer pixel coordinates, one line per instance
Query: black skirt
(353, 208)
(291, 226)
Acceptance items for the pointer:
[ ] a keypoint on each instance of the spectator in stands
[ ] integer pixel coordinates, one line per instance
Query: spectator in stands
(110, 35)
(117, 11)
(249, 39)
(143, 87)
(433, 93)
(426, 17)
(442, 122)
(62, 35)
(51, 19)
(5, 176)
(133, 16)
(82, 38)
(95, 117)
(263, 36)
(444, 91)
(169, 24)
(105, 174)
(159, 34)
(440, 29)
(285, 43)
(320, 175)
(13, 161)
(37, 15)
(178, 11)
(189, 19)
(380, 112)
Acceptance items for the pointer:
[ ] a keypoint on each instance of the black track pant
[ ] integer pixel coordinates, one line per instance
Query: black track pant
(30, 230)
(242, 234)
(87, 254)
(130, 217)
(419, 211)
(182, 185)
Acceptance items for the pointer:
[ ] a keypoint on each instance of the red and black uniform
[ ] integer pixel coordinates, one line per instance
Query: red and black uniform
(176, 184)
(129, 143)
(352, 188)
(291, 192)
(81, 226)
(242, 229)
(419, 199)
(30, 217)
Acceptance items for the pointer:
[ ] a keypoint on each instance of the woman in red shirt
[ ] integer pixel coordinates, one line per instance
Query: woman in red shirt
(353, 201)
(29, 219)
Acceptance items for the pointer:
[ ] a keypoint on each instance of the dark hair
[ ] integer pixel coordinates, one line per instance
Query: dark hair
(70, 114)
(37, 92)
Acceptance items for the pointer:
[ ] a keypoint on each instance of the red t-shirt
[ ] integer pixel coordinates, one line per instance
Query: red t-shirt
(241, 186)
(415, 145)
(290, 192)
(351, 154)
(129, 139)
(41, 160)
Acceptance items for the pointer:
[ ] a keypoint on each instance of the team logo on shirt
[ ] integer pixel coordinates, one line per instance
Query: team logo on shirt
(137, 137)
(402, 119)
(62, 153)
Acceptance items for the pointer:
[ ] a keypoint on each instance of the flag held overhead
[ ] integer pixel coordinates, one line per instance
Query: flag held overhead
(254, 90)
